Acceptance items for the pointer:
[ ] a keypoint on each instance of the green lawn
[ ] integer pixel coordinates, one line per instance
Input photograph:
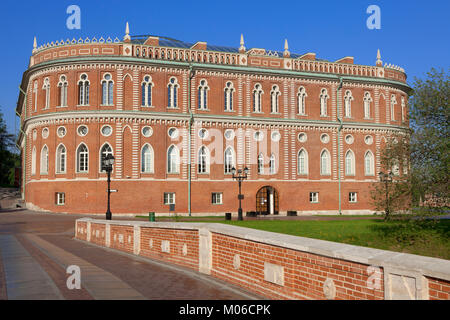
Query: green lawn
(427, 238)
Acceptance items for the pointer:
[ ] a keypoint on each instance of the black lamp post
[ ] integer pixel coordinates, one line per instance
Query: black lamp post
(240, 177)
(386, 178)
(108, 166)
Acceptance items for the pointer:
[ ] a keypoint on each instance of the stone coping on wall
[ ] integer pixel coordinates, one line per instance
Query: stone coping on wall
(408, 263)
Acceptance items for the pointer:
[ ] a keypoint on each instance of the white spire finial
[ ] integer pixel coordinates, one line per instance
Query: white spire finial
(379, 62)
(242, 48)
(34, 45)
(286, 47)
(127, 32)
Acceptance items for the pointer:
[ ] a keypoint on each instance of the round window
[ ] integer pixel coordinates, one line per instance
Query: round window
(203, 133)
(106, 131)
(276, 136)
(229, 134)
(302, 137)
(258, 136)
(368, 140)
(325, 138)
(45, 133)
(173, 133)
(147, 131)
(82, 130)
(349, 139)
(61, 132)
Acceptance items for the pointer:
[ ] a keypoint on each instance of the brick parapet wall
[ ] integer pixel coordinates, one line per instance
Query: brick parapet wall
(278, 266)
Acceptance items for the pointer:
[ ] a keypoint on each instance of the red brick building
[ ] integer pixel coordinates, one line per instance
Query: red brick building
(178, 116)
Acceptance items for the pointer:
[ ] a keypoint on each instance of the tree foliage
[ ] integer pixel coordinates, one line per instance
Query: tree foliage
(8, 159)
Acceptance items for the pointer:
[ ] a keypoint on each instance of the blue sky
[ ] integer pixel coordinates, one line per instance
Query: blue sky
(414, 34)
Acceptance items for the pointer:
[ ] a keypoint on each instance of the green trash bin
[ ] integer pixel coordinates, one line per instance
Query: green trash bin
(151, 216)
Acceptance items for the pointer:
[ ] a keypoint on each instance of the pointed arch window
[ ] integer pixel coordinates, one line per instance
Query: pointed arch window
(272, 164)
(301, 101)
(369, 164)
(62, 91)
(33, 161)
(173, 159)
(325, 163)
(257, 95)
(83, 90)
(61, 157)
(367, 101)
(228, 96)
(260, 163)
(203, 95)
(323, 102)
(146, 87)
(35, 91)
(302, 162)
(228, 160)
(46, 88)
(350, 163)
(82, 158)
(44, 160)
(203, 160)
(147, 159)
(348, 104)
(172, 93)
(274, 99)
(393, 103)
(104, 152)
(107, 90)
(403, 109)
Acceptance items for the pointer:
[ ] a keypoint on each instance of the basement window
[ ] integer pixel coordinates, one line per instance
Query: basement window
(60, 198)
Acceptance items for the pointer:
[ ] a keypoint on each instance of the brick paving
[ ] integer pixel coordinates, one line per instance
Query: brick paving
(45, 242)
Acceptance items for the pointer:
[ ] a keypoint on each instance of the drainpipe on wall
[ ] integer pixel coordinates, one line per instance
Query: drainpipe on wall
(339, 139)
(191, 121)
(25, 146)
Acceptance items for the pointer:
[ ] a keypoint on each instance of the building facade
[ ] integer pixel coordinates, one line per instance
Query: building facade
(179, 116)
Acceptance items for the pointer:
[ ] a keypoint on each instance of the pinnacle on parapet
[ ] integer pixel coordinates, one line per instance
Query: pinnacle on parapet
(286, 49)
(34, 45)
(127, 33)
(242, 48)
(379, 63)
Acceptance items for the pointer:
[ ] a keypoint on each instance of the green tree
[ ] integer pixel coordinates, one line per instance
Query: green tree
(430, 140)
(8, 159)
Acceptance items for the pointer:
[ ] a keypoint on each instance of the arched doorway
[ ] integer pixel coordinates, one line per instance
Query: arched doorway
(267, 201)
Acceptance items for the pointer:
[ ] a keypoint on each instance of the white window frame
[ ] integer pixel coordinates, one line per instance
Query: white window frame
(274, 99)
(350, 163)
(62, 85)
(305, 164)
(202, 98)
(83, 90)
(147, 159)
(353, 197)
(257, 98)
(172, 93)
(314, 197)
(367, 100)
(169, 198)
(228, 96)
(147, 91)
(216, 198)
(323, 102)
(44, 160)
(301, 101)
(60, 198)
(61, 159)
(108, 90)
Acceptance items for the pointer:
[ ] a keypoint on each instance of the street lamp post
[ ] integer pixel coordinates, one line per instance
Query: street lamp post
(108, 166)
(386, 178)
(240, 176)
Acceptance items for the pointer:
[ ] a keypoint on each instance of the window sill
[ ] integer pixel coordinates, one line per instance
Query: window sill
(61, 106)
(83, 105)
(147, 106)
(203, 110)
(302, 114)
(106, 105)
(173, 108)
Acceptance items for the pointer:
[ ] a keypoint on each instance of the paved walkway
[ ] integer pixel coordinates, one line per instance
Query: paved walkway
(37, 248)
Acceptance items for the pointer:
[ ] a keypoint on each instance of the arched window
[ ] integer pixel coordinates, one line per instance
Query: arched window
(104, 152)
(46, 88)
(257, 94)
(228, 99)
(147, 159)
(228, 160)
(323, 102)
(172, 88)
(33, 161)
(44, 160)
(403, 109)
(203, 160)
(82, 158)
(147, 86)
(35, 90)
(272, 164)
(369, 164)
(203, 95)
(62, 91)
(274, 99)
(348, 104)
(61, 159)
(325, 164)
(367, 101)
(107, 90)
(350, 163)
(260, 163)
(301, 101)
(302, 162)
(393, 103)
(83, 90)
(172, 159)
